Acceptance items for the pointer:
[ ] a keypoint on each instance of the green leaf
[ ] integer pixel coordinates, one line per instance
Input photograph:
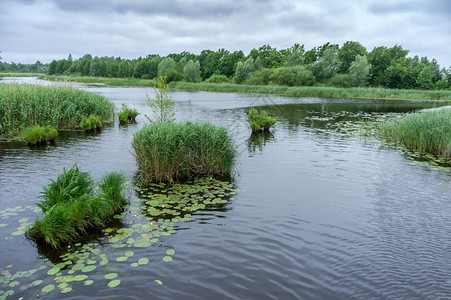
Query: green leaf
(48, 288)
(143, 261)
(170, 252)
(114, 283)
(167, 259)
(129, 254)
(88, 269)
(158, 281)
(110, 275)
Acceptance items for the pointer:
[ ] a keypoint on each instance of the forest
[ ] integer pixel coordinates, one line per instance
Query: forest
(350, 65)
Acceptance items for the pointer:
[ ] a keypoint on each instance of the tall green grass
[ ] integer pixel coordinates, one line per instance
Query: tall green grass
(168, 152)
(24, 105)
(71, 208)
(317, 91)
(425, 132)
(101, 80)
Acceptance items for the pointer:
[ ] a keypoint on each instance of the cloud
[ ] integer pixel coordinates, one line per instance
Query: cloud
(43, 30)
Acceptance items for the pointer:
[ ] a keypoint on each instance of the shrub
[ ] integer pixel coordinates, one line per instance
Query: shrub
(261, 77)
(177, 151)
(259, 121)
(127, 115)
(215, 78)
(90, 123)
(292, 76)
(340, 80)
(71, 208)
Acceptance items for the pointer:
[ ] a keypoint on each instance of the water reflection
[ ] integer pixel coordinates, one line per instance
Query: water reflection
(258, 140)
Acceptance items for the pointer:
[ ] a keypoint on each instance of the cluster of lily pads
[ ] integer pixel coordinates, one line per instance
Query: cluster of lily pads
(151, 216)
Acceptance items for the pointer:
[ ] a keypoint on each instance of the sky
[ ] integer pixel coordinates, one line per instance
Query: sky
(45, 30)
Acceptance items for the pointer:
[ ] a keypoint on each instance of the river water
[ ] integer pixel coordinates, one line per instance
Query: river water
(323, 212)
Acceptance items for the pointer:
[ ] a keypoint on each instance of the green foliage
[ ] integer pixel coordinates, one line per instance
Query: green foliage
(347, 55)
(90, 123)
(39, 134)
(259, 121)
(326, 67)
(71, 208)
(127, 115)
(340, 81)
(23, 105)
(177, 151)
(426, 132)
(262, 77)
(218, 79)
(292, 76)
(163, 107)
(166, 68)
(191, 71)
(425, 78)
(359, 71)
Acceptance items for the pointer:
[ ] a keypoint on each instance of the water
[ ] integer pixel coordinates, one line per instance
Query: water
(325, 212)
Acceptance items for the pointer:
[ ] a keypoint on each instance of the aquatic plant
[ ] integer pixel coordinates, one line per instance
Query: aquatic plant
(176, 151)
(90, 123)
(24, 105)
(39, 134)
(127, 115)
(425, 132)
(259, 121)
(71, 208)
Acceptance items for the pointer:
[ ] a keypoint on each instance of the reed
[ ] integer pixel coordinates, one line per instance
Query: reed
(100, 80)
(425, 132)
(24, 105)
(71, 208)
(168, 152)
(127, 115)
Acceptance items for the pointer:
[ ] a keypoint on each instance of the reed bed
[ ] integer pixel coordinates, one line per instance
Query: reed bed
(168, 152)
(425, 132)
(71, 208)
(100, 80)
(25, 105)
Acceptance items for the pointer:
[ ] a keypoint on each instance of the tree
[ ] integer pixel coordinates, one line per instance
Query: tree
(425, 78)
(381, 58)
(347, 54)
(359, 71)
(165, 65)
(296, 57)
(191, 72)
(52, 67)
(163, 107)
(327, 65)
(244, 70)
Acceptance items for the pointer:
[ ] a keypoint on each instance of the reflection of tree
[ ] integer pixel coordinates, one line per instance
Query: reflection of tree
(257, 141)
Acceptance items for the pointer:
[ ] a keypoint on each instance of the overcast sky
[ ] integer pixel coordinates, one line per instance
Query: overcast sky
(44, 30)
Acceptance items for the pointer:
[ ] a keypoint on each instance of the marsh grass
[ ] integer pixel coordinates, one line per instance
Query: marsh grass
(71, 207)
(90, 123)
(39, 134)
(259, 120)
(425, 132)
(24, 105)
(127, 115)
(168, 152)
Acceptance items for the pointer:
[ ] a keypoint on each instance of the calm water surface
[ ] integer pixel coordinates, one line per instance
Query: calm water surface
(324, 213)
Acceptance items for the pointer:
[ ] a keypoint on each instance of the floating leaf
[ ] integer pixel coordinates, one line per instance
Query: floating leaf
(143, 261)
(88, 269)
(114, 283)
(170, 252)
(66, 290)
(158, 281)
(129, 254)
(48, 288)
(134, 265)
(80, 277)
(13, 283)
(103, 262)
(88, 282)
(167, 259)
(121, 258)
(36, 282)
(53, 271)
(63, 285)
(78, 267)
(110, 275)
(91, 262)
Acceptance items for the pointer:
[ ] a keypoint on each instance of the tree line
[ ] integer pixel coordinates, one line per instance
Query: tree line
(350, 65)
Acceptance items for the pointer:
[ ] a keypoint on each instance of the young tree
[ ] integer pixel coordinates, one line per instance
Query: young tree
(359, 71)
(163, 107)
(326, 67)
(425, 78)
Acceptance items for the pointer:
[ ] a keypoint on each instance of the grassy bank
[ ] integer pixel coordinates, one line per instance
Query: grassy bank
(176, 151)
(25, 105)
(21, 74)
(424, 132)
(71, 208)
(305, 91)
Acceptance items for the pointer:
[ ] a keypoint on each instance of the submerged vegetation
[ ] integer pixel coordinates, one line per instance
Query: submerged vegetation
(259, 121)
(39, 135)
(24, 105)
(71, 207)
(127, 115)
(424, 132)
(175, 151)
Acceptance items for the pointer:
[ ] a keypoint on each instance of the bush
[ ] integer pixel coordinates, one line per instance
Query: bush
(340, 80)
(292, 76)
(168, 152)
(215, 78)
(71, 208)
(259, 121)
(127, 115)
(261, 77)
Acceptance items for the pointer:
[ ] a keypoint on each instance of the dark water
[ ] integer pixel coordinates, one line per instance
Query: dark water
(325, 213)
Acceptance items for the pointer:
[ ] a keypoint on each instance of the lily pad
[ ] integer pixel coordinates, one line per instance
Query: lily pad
(121, 258)
(143, 261)
(114, 283)
(88, 282)
(110, 275)
(80, 277)
(167, 259)
(129, 254)
(36, 282)
(158, 282)
(48, 288)
(170, 252)
(134, 265)
(88, 269)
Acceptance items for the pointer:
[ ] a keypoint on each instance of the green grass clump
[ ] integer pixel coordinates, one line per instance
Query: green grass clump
(71, 207)
(24, 105)
(90, 123)
(39, 135)
(425, 132)
(167, 152)
(127, 115)
(259, 121)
